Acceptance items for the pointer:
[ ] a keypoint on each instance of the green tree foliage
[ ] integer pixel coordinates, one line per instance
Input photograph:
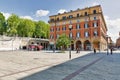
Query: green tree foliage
(23, 27)
(2, 24)
(12, 24)
(63, 41)
(41, 29)
(26, 28)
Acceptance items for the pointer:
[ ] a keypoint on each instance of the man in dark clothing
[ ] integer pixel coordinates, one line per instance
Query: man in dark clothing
(111, 51)
(94, 50)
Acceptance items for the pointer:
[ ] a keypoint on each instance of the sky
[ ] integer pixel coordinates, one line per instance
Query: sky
(42, 9)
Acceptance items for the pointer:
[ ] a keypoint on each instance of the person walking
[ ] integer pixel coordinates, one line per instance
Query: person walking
(94, 51)
(111, 51)
(77, 50)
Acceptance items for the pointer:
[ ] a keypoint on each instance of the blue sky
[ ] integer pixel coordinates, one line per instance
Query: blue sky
(42, 9)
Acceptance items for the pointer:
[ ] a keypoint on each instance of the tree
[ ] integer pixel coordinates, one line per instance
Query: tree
(2, 24)
(26, 28)
(41, 29)
(12, 24)
(63, 41)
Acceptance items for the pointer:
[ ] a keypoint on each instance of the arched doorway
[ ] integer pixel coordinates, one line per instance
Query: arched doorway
(96, 44)
(87, 45)
(78, 45)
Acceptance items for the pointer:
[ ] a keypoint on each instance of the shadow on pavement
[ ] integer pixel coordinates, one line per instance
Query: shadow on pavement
(59, 72)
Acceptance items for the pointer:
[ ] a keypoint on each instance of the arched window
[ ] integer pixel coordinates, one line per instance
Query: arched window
(94, 11)
(86, 13)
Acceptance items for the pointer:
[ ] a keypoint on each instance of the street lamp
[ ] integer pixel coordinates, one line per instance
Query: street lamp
(70, 28)
(107, 43)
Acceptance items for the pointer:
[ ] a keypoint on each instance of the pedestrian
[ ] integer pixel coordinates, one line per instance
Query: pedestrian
(77, 50)
(111, 51)
(94, 51)
(54, 50)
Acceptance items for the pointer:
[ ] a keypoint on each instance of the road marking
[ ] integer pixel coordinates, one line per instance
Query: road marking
(70, 76)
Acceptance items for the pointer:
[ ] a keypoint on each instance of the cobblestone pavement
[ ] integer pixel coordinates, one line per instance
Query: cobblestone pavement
(19, 64)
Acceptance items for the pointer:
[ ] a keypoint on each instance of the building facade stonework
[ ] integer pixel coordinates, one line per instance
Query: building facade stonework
(118, 41)
(88, 28)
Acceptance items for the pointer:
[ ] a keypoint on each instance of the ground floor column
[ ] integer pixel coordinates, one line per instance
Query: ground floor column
(82, 46)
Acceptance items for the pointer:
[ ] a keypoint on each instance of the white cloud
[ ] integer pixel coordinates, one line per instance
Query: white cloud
(40, 13)
(26, 17)
(95, 3)
(62, 11)
(113, 27)
(7, 15)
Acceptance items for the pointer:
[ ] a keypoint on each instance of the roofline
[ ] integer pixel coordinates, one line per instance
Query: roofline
(75, 10)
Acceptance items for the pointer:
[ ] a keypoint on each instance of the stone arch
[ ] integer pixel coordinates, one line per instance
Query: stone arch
(87, 45)
(78, 44)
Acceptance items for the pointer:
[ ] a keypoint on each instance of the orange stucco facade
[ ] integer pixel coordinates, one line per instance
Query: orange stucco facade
(88, 28)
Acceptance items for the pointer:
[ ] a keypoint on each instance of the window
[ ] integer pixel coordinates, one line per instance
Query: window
(86, 34)
(51, 36)
(78, 34)
(78, 20)
(94, 11)
(57, 35)
(64, 17)
(57, 19)
(70, 16)
(86, 14)
(95, 33)
(95, 18)
(70, 22)
(64, 28)
(86, 25)
(70, 35)
(52, 20)
(95, 24)
(78, 15)
(77, 26)
(52, 29)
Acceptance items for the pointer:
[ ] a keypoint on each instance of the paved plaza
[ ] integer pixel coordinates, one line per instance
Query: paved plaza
(46, 65)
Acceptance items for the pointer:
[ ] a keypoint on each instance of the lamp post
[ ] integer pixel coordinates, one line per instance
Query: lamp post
(70, 28)
(107, 43)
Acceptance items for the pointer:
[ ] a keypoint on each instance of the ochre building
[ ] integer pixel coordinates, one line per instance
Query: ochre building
(118, 41)
(86, 27)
